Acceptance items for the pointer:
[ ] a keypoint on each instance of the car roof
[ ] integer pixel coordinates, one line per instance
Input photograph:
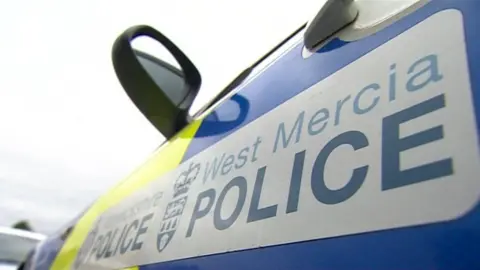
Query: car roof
(22, 233)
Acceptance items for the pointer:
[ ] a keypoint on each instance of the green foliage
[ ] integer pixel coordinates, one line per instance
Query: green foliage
(23, 225)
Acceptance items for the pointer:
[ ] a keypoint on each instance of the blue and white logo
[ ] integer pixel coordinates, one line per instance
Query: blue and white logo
(175, 207)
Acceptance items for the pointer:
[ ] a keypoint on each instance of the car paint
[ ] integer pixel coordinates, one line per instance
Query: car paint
(21, 234)
(440, 245)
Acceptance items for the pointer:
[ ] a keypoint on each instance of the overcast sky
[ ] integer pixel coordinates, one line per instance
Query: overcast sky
(67, 130)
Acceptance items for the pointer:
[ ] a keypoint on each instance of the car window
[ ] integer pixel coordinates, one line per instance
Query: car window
(14, 249)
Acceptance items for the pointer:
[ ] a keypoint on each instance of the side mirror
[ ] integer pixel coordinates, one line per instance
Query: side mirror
(162, 92)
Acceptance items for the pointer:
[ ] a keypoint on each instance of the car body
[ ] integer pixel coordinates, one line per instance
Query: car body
(15, 245)
(360, 152)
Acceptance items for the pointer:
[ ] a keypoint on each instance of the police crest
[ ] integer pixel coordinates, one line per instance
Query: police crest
(175, 207)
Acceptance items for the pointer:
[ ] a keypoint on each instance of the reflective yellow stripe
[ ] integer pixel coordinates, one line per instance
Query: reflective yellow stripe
(162, 161)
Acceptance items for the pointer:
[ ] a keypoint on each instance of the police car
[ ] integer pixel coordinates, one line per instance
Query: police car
(353, 144)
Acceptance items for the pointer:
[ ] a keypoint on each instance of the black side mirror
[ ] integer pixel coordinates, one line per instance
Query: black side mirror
(161, 91)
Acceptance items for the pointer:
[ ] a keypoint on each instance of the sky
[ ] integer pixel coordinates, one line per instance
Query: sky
(68, 131)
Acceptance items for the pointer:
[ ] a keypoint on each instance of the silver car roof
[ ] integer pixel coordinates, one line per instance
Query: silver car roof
(22, 233)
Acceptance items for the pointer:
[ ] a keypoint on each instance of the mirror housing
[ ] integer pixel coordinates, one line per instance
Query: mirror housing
(167, 116)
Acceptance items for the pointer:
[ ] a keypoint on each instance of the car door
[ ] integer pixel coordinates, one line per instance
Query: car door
(358, 153)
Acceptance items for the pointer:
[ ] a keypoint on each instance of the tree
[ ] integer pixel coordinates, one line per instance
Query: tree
(23, 225)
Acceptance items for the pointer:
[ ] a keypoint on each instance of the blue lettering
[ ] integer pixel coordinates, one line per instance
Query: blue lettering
(198, 213)
(255, 213)
(392, 146)
(339, 109)
(120, 239)
(297, 128)
(213, 170)
(432, 70)
(322, 193)
(393, 83)
(108, 247)
(322, 115)
(220, 223)
(101, 251)
(141, 230)
(356, 105)
(124, 248)
(97, 246)
(255, 147)
(295, 182)
(242, 157)
(227, 164)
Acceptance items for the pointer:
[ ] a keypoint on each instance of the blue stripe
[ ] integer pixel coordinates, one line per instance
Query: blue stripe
(280, 82)
(447, 245)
